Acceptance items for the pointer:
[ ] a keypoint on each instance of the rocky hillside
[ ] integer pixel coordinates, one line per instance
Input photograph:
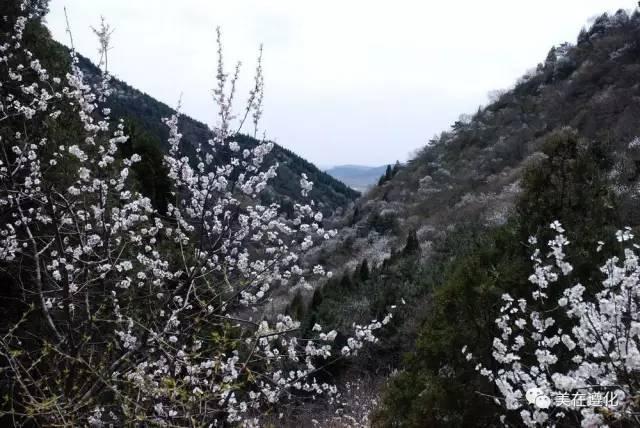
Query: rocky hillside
(471, 172)
(446, 235)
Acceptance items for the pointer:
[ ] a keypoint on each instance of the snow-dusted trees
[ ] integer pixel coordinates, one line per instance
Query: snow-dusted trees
(120, 313)
(576, 347)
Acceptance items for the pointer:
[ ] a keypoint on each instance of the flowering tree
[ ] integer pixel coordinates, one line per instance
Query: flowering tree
(580, 348)
(123, 313)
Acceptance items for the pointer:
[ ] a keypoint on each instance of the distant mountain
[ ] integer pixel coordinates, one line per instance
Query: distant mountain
(147, 113)
(358, 177)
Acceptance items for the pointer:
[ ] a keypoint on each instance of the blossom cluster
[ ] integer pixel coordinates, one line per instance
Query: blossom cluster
(580, 342)
(161, 316)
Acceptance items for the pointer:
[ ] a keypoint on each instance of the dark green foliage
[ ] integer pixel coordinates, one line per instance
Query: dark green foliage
(346, 283)
(53, 57)
(150, 173)
(438, 387)
(317, 298)
(569, 183)
(389, 173)
(363, 271)
(382, 223)
(412, 246)
(383, 178)
(355, 217)
(386, 176)
(396, 169)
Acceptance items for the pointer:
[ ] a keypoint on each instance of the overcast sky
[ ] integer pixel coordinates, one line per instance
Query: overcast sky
(347, 81)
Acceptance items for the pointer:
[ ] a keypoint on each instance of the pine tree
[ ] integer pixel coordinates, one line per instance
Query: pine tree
(317, 298)
(151, 174)
(356, 216)
(396, 169)
(412, 246)
(364, 271)
(388, 174)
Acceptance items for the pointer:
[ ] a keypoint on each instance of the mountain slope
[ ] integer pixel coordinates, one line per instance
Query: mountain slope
(445, 237)
(470, 174)
(147, 113)
(467, 180)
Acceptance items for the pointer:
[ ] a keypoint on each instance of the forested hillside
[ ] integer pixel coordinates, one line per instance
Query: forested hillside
(146, 114)
(493, 280)
(471, 172)
(127, 265)
(448, 233)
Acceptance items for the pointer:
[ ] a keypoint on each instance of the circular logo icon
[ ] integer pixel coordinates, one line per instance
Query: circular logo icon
(532, 394)
(543, 402)
(537, 397)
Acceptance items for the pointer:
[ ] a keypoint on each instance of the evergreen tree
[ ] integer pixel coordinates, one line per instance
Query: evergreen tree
(386, 177)
(150, 172)
(412, 246)
(345, 282)
(364, 271)
(317, 298)
(396, 169)
(388, 174)
(356, 216)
